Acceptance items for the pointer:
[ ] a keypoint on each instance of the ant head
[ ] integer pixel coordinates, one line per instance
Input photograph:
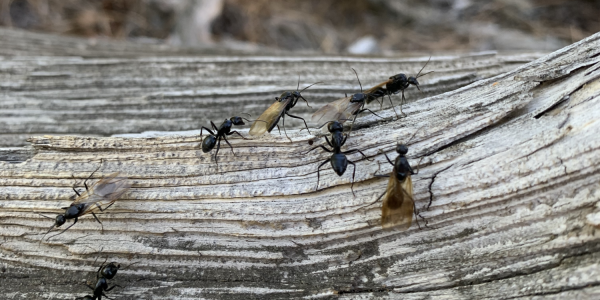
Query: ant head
(60, 219)
(401, 149)
(237, 120)
(296, 94)
(413, 81)
(335, 126)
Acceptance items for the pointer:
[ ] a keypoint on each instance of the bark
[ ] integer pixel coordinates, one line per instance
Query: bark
(507, 190)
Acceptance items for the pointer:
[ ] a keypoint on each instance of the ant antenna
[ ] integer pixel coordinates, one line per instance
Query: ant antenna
(59, 232)
(424, 68)
(309, 86)
(414, 134)
(45, 216)
(51, 227)
(357, 79)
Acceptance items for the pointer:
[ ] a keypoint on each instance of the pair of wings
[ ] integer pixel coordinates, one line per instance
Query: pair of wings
(103, 193)
(269, 118)
(398, 204)
(342, 109)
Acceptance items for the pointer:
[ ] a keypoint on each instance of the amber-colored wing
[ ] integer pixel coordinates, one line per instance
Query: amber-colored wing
(103, 193)
(398, 204)
(333, 111)
(375, 90)
(269, 118)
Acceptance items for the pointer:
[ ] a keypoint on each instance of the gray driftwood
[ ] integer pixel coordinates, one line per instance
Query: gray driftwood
(507, 191)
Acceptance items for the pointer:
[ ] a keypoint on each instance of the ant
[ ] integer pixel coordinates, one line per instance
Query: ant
(102, 193)
(278, 110)
(224, 130)
(399, 82)
(339, 161)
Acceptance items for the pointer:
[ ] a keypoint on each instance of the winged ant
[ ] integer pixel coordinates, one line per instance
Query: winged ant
(101, 195)
(343, 109)
(278, 110)
(398, 204)
(396, 84)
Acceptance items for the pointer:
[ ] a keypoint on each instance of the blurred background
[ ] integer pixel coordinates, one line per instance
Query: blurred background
(326, 26)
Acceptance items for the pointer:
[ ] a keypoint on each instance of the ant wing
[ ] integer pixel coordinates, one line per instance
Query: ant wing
(333, 111)
(377, 91)
(398, 204)
(352, 108)
(268, 119)
(104, 192)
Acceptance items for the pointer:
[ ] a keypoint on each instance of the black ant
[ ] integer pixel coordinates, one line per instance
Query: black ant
(339, 161)
(224, 130)
(399, 82)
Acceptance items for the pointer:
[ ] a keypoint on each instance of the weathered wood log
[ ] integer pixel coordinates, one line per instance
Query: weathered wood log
(507, 195)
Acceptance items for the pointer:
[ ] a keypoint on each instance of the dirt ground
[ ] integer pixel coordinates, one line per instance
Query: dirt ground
(329, 26)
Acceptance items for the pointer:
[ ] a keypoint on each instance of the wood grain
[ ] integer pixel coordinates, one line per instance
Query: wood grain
(507, 192)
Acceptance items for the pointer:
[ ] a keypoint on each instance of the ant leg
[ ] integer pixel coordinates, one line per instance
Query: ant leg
(74, 222)
(304, 101)
(389, 97)
(352, 126)
(353, 174)
(226, 141)
(237, 134)
(93, 214)
(300, 119)
(89, 286)
(214, 126)
(321, 146)
(344, 140)
(283, 125)
(100, 269)
(388, 159)
(356, 150)
(103, 209)
(418, 165)
(366, 109)
(329, 143)
(278, 129)
(76, 192)
(204, 128)
(402, 102)
(112, 287)
(217, 152)
(318, 172)
(416, 215)
(380, 175)
(85, 182)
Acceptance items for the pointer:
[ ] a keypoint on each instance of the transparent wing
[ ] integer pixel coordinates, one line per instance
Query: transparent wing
(398, 204)
(269, 118)
(333, 111)
(347, 114)
(103, 193)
